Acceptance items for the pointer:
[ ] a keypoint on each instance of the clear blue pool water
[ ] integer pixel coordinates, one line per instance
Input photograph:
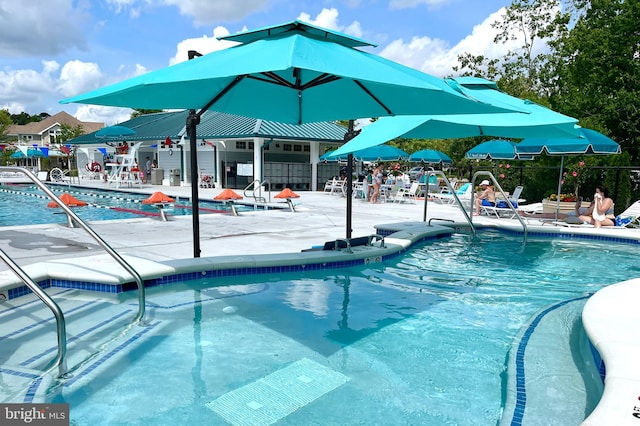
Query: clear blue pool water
(420, 339)
(27, 205)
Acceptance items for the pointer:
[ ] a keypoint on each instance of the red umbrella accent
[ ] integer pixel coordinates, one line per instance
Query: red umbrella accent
(228, 194)
(158, 197)
(69, 200)
(286, 193)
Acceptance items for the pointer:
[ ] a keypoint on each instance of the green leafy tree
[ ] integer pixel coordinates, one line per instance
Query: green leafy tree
(598, 69)
(137, 112)
(522, 72)
(5, 122)
(68, 132)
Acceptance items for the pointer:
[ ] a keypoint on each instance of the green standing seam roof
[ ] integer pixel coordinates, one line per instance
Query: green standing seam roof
(157, 126)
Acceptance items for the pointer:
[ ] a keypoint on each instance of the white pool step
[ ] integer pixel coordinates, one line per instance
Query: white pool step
(271, 398)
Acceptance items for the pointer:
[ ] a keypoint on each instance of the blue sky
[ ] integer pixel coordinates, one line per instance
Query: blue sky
(53, 49)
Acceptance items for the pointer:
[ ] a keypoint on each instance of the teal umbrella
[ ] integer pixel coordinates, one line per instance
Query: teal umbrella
(115, 132)
(590, 142)
(291, 73)
(375, 153)
(430, 156)
(497, 149)
(537, 122)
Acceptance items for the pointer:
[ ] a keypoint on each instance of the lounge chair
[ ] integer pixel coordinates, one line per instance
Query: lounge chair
(502, 207)
(407, 194)
(464, 194)
(630, 218)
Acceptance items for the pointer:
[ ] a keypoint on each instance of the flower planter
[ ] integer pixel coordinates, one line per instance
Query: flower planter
(549, 206)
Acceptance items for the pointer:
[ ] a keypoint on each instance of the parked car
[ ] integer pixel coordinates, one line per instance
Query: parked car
(417, 171)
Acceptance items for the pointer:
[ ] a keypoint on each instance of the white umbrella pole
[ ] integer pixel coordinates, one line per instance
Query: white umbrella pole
(559, 186)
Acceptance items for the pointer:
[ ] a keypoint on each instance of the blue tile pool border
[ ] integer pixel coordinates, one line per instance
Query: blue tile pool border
(521, 392)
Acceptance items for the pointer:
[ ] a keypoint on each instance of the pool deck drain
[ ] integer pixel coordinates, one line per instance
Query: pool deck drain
(277, 395)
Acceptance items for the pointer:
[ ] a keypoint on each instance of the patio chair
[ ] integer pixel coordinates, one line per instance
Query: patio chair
(464, 194)
(407, 194)
(501, 207)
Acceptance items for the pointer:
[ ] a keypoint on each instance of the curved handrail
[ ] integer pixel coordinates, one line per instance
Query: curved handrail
(71, 217)
(256, 193)
(455, 197)
(61, 327)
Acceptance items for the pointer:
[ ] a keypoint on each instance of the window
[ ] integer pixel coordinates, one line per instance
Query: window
(241, 145)
(251, 145)
(286, 147)
(307, 148)
(297, 148)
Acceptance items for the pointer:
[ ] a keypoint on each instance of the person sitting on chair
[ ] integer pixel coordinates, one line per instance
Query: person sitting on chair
(486, 198)
(600, 213)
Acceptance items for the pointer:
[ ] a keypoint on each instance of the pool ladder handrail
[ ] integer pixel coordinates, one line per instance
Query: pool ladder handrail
(71, 217)
(455, 197)
(60, 360)
(256, 186)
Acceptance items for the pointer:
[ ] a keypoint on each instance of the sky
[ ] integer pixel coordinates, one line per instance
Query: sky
(54, 49)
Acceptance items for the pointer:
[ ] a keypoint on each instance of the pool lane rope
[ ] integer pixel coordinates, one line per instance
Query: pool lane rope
(98, 206)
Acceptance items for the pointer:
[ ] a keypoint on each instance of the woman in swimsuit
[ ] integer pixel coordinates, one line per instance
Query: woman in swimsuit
(377, 181)
(600, 213)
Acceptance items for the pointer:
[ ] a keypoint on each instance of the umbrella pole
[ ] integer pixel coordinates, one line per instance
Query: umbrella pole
(347, 137)
(192, 121)
(559, 187)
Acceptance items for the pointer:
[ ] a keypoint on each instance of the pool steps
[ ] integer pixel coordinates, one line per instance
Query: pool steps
(102, 273)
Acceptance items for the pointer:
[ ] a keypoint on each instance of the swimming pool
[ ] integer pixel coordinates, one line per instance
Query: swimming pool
(102, 205)
(419, 339)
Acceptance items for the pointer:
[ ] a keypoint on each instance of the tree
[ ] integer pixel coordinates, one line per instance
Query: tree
(137, 112)
(522, 72)
(598, 69)
(68, 132)
(5, 122)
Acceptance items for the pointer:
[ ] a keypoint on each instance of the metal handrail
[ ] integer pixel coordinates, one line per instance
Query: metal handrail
(61, 327)
(71, 217)
(256, 186)
(455, 197)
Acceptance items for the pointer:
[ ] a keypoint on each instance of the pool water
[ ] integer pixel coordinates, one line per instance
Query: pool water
(420, 339)
(102, 205)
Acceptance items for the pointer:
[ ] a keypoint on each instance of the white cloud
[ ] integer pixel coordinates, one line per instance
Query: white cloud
(436, 57)
(19, 88)
(102, 114)
(77, 77)
(204, 45)
(328, 18)
(32, 28)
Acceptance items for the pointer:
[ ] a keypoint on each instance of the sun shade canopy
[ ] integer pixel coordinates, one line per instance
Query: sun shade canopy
(539, 122)
(291, 73)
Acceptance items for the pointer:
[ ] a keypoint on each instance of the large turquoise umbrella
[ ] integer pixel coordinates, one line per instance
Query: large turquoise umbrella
(430, 156)
(538, 122)
(590, 142)
(496, 149)
(292, 73)
(375, 153)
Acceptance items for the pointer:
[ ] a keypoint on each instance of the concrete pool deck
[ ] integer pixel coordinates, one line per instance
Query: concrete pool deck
(320, 217)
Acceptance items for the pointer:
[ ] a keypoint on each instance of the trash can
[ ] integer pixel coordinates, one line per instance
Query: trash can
(174, 177)
(156, 176)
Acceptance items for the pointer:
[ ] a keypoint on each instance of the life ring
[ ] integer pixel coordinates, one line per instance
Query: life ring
(206, 179)
(94, 166)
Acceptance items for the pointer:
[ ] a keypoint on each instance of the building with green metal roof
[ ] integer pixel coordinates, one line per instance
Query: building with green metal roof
(233, 151)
